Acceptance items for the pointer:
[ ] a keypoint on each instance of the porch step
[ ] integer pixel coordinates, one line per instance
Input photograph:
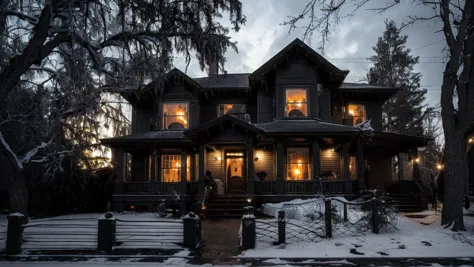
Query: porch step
(406, 203)
(226, 206)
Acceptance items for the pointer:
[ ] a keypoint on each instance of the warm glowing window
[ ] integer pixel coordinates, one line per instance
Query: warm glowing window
(171, 168)
(353, 168)
(223, 109)
(298, 164)
(296, 103)
(357, 112)
(175, 115)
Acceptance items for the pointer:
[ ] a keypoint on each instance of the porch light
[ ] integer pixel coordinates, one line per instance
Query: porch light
(416, 160)
(256, 158)
(249, 200)
(217, 158)
(470, 141)
(132, 207)
(351, 112)
(439, 166)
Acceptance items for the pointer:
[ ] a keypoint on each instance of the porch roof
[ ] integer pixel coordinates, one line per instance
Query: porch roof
(395, 142)
(308, 126)
(161, 136)
(219, 121)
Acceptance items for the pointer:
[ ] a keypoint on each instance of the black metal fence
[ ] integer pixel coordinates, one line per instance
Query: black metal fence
(313, 220)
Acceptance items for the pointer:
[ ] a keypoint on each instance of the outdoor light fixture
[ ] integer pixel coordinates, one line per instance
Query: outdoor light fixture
(417, 160)
(217, 158)
(132, 207)
(249, 200)
(256, 158)
(439, 166)
(470, 141)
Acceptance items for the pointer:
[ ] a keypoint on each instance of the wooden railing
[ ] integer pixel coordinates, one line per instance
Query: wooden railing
(152, 188)
(300, 187)
(192, 188)
(265, 187)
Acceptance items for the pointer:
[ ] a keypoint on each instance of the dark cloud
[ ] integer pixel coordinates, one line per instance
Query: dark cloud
(350, 42)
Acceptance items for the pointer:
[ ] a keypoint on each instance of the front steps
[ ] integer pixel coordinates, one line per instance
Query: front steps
(226, 206)
(406, 203)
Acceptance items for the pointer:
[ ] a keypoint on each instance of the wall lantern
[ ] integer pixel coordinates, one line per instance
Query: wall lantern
(217, 158)
(439, 166)
(256, 158)
(249, 200)
(470, 140)
(416, 160)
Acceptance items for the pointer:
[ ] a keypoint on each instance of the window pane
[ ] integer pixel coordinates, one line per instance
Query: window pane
(188, 168)
(296, 103)
(357, 112)
(298, 164)
(230, 109)
(170, 168)
(175, 115)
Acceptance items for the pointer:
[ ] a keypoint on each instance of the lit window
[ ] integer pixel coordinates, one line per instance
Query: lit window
(357, 112)
(175, 115)
(223, 109)
(353, 168)
(296, 103)
(171, 168)
(297, 164)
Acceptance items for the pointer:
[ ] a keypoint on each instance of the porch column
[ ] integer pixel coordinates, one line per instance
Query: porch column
(183, 173)
(416, 163)
(280, 182)
(346, 171)
(119, 160)
(316, 166)
(202, 170)
(250, 168)
(156, 167)
(360, 165)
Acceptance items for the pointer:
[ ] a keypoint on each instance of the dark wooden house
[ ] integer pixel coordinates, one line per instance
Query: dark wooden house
(292, 128)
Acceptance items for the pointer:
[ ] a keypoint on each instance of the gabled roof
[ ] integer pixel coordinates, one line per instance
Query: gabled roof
(174, 75)
(220, 120)
(311, 126)
(311, 55)
(225, 81)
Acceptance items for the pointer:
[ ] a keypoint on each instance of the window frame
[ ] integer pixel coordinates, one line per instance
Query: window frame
(189, 175)
(354, 118)
(286, 103)
(176, 102)
(220, 104)
(308, 164)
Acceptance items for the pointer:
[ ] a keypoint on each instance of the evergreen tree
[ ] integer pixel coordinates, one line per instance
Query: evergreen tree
(393, 67)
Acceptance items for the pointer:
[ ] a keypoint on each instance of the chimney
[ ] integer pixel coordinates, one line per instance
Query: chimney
(213, 67)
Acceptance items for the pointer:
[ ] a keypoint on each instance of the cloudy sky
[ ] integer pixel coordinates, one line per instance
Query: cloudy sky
(350, 43)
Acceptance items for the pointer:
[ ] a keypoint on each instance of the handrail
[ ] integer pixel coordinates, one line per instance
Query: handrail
(204, 200)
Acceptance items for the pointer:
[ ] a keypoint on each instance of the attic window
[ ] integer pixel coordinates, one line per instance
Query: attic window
(296, 103)
(175, 115)
(223, 109)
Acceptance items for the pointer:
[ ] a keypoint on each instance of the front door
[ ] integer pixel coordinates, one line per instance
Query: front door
(235, 172)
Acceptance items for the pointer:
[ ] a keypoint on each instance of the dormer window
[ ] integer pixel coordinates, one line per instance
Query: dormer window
(223, 109)
(357, 112)
(296, 103)
(175, 116)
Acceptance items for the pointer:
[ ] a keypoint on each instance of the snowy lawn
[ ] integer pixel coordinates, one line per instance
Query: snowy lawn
(412, 240)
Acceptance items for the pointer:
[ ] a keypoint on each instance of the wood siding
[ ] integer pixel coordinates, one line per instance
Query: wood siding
(139, 167)
(265, 163)
(374, 113)
(142, 119)
(215, 166)
(331, 161)
(324, 105)
(266, 109)
(337, 116)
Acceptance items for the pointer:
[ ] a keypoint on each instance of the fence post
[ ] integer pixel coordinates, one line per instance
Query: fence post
(249, 233)
(327, 217)
(281, 227)
(191, 231)
(375, 217)
(106, 232)
(345, 212)
(14, 231)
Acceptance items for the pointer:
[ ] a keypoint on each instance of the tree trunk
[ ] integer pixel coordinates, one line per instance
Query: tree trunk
(455, 179)
(19, 194)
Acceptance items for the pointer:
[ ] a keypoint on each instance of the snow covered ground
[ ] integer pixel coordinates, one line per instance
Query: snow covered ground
(413, 239)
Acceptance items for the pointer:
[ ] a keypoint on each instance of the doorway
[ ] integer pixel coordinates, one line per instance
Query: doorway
(235, 172)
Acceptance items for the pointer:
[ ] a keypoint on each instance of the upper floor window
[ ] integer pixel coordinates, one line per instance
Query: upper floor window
(296, 103)
(357, 112)
(223, 109)
(298, 166)
(175, 115)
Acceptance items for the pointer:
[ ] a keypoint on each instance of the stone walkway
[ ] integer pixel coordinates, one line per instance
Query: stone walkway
(220, 241)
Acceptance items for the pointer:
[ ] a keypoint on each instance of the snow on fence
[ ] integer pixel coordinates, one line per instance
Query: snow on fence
(319, 218)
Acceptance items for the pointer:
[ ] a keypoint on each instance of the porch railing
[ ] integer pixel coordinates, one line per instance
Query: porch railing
(331, 187)
(152, 188)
